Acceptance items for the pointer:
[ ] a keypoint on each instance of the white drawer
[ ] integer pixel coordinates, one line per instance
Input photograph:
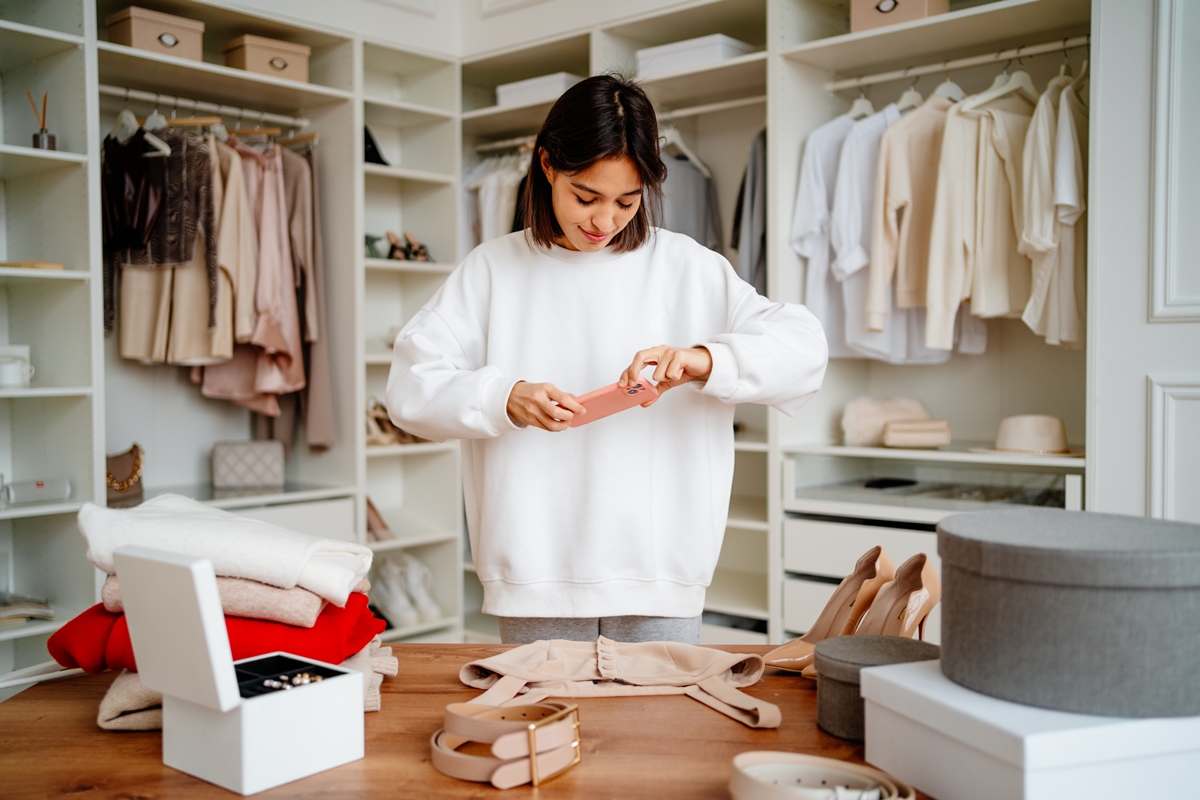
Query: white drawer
(721, 634)
(803, 601)
(330, 519)
(833, 548)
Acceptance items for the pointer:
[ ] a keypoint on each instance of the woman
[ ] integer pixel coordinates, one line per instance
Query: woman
(613, 528)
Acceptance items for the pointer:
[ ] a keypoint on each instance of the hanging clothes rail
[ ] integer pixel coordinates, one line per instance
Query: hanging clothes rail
(247, 114)
(506, 144)
(959, 63)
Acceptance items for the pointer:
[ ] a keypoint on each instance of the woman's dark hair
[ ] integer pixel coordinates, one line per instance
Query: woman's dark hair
(605, 116)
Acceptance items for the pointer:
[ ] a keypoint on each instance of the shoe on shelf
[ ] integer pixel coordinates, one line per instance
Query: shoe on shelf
(902, 605)
(388, 593)
(400, 249)
(382, 431)
(377, 527)
(372, 249)
(418, 582)
(416, 251)
(841, 615)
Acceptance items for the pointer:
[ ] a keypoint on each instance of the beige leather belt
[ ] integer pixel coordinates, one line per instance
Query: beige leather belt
(549, 731)
(769, 775)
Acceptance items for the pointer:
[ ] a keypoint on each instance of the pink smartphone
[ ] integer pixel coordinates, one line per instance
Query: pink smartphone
(611, 399)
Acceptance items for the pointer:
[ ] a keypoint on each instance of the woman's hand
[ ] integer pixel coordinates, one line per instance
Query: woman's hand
(542, 405)
(676, 365)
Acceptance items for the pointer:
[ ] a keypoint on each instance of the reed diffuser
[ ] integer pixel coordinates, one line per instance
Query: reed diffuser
(42, 140)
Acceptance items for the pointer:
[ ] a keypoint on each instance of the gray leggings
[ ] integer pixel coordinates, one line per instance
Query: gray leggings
(523, 630)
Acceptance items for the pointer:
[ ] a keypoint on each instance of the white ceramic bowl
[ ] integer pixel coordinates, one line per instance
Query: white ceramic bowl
(1032, 433)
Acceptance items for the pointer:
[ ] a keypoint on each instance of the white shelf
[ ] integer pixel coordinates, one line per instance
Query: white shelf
(23, 44)
(496, 121)
(406, 174)
(392, 634)
(38, 627)
(734, 77)
(230, 499)
(739, 593)
(419, 449)
(21, 274)
(151, 72)
(51, 391)
(17, 161)
(958, 453)
(747, 513)
(405, 542)
(46, 509)
(879, 511)
(750, 441)
(967, 32)
(400, 114)
(396, 265)
(377, 360)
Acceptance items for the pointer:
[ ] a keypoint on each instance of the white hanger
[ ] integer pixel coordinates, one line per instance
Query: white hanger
(1018, 83)
(671, 138)
(127, 125)
(948, 88)
(911, 98)
(156, 121)
(861, 107)
(1065, 69)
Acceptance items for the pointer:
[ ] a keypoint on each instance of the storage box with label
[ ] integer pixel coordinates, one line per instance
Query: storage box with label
(868, 14)
(268, 57)
(157, 32)
(951, 743)
(247, 725)
(535, 90)
(689, 54)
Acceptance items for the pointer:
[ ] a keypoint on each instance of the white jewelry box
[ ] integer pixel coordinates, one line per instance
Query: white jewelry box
(689, 54)
(952, 743)
(535, 90)
(221, 722)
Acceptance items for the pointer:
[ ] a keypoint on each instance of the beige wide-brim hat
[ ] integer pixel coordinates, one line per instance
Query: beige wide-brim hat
(1032, 433)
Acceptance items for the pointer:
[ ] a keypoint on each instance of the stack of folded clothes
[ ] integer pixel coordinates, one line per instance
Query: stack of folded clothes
(280, 590)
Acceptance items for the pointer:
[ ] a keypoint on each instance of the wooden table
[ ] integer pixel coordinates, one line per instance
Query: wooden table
(658, 748)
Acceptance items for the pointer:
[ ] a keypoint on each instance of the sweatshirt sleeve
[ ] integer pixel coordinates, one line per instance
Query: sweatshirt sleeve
(439, 386)
(773, 353)
(888, 203)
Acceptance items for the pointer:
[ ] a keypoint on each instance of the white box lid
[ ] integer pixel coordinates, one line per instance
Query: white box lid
(177, 626)
(1030, 738)
(699, 43)
(556, 79)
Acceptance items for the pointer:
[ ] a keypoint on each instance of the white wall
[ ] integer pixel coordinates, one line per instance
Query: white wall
(432, 25)
(491, 25)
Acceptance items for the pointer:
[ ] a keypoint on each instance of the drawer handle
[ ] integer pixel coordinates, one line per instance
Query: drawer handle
(167, 39)
(278, 63)
(886, 6)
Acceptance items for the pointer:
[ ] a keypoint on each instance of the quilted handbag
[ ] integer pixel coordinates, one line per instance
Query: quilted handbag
(247, 465)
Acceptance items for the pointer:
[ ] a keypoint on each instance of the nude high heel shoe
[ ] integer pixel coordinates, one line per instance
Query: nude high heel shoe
(902, 605)
(843, 612)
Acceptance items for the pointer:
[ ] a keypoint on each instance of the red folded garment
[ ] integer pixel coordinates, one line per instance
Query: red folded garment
(97, 639)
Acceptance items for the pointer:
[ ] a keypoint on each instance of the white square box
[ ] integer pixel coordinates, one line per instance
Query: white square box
(953, 743)
(689, 54)
(535, 90)
(217, 723)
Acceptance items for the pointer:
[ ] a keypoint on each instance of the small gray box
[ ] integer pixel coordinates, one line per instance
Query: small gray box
(247, 465)
(1072, 610)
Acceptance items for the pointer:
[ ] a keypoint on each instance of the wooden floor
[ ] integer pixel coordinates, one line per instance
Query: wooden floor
(658, 748)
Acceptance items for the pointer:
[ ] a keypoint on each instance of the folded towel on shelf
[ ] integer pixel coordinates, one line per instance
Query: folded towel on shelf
(130, 706)
(244, 598)
(98, 639)
(916, 433)
(238, 547)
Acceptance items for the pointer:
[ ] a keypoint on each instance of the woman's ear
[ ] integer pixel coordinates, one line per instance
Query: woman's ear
(547, 170)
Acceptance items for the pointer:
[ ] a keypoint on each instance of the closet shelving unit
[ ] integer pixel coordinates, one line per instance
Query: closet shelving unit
(830, 525)
(410, 103)
(48, 211)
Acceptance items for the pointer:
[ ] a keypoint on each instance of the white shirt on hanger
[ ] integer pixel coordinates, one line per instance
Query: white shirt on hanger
(1070, 189)
(810, 230)
(850, 235)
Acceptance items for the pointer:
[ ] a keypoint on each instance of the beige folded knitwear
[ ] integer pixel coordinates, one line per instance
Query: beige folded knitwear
(241, 597)
(916, 433)
(130, 706)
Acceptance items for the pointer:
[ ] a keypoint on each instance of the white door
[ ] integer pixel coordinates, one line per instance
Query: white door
(1144, 240)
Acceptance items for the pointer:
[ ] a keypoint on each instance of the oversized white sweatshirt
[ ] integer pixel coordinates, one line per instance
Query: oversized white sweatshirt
(623, 516)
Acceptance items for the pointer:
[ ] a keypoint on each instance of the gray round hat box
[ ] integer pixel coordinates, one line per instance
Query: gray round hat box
(1073, 610)
(840, 661)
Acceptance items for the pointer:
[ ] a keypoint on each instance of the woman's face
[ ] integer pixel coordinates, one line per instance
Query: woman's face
(594, 205)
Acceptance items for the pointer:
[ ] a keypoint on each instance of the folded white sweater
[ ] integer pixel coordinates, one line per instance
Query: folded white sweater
(237, 546)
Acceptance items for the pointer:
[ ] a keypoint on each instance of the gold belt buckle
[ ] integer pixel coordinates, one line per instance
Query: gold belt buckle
(573, 712)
